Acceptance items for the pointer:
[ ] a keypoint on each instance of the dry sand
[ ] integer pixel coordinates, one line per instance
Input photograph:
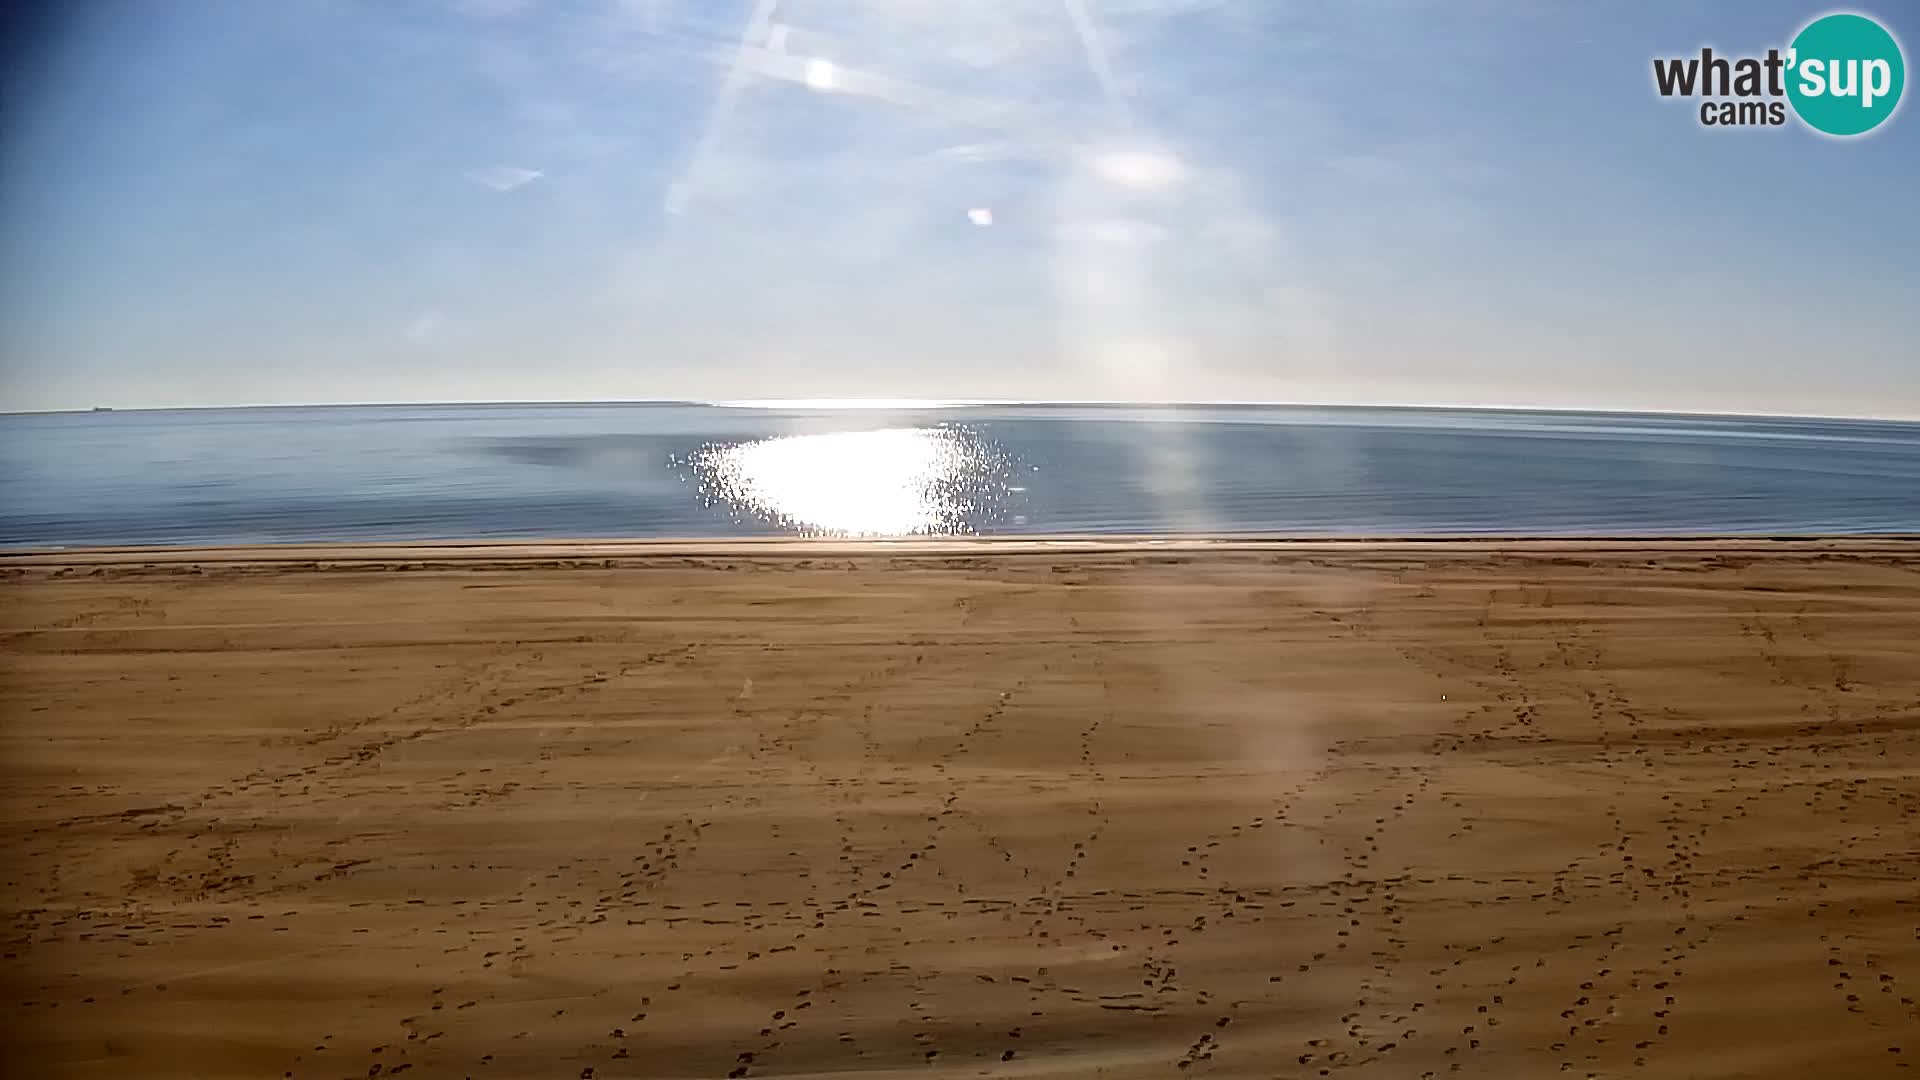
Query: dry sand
(1065, 811)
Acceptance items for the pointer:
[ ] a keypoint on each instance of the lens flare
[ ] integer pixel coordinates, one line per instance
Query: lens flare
(889, 482)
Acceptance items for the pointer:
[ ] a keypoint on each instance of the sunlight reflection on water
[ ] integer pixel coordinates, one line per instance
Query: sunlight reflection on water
(891, 482)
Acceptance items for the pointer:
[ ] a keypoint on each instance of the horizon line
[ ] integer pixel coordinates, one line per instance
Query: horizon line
(930, 404)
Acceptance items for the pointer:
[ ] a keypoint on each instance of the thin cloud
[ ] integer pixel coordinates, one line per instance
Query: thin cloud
(503, 177)
(427, 327)
(755, 29)
(1097, 60)
(489, 9)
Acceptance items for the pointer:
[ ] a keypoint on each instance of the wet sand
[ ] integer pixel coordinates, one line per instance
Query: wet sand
(1647, 810)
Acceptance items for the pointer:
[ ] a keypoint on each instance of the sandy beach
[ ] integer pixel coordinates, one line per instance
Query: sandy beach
(1645, 809)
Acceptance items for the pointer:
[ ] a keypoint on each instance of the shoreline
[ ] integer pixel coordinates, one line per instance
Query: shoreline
(383, 552)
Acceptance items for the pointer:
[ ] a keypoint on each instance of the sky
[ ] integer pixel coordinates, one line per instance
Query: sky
(1458, 202)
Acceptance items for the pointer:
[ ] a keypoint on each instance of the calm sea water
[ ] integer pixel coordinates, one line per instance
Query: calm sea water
(646, 470)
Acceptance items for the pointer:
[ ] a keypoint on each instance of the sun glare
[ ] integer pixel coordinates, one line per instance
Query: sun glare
(891, 482)
(838, 404)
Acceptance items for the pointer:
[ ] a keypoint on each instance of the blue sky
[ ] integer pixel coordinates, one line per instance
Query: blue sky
(210, 202)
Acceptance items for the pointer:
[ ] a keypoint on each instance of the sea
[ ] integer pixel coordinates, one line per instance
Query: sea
(681, 470)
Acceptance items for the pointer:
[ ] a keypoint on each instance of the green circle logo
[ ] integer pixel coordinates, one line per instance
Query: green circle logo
(1845, 74)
